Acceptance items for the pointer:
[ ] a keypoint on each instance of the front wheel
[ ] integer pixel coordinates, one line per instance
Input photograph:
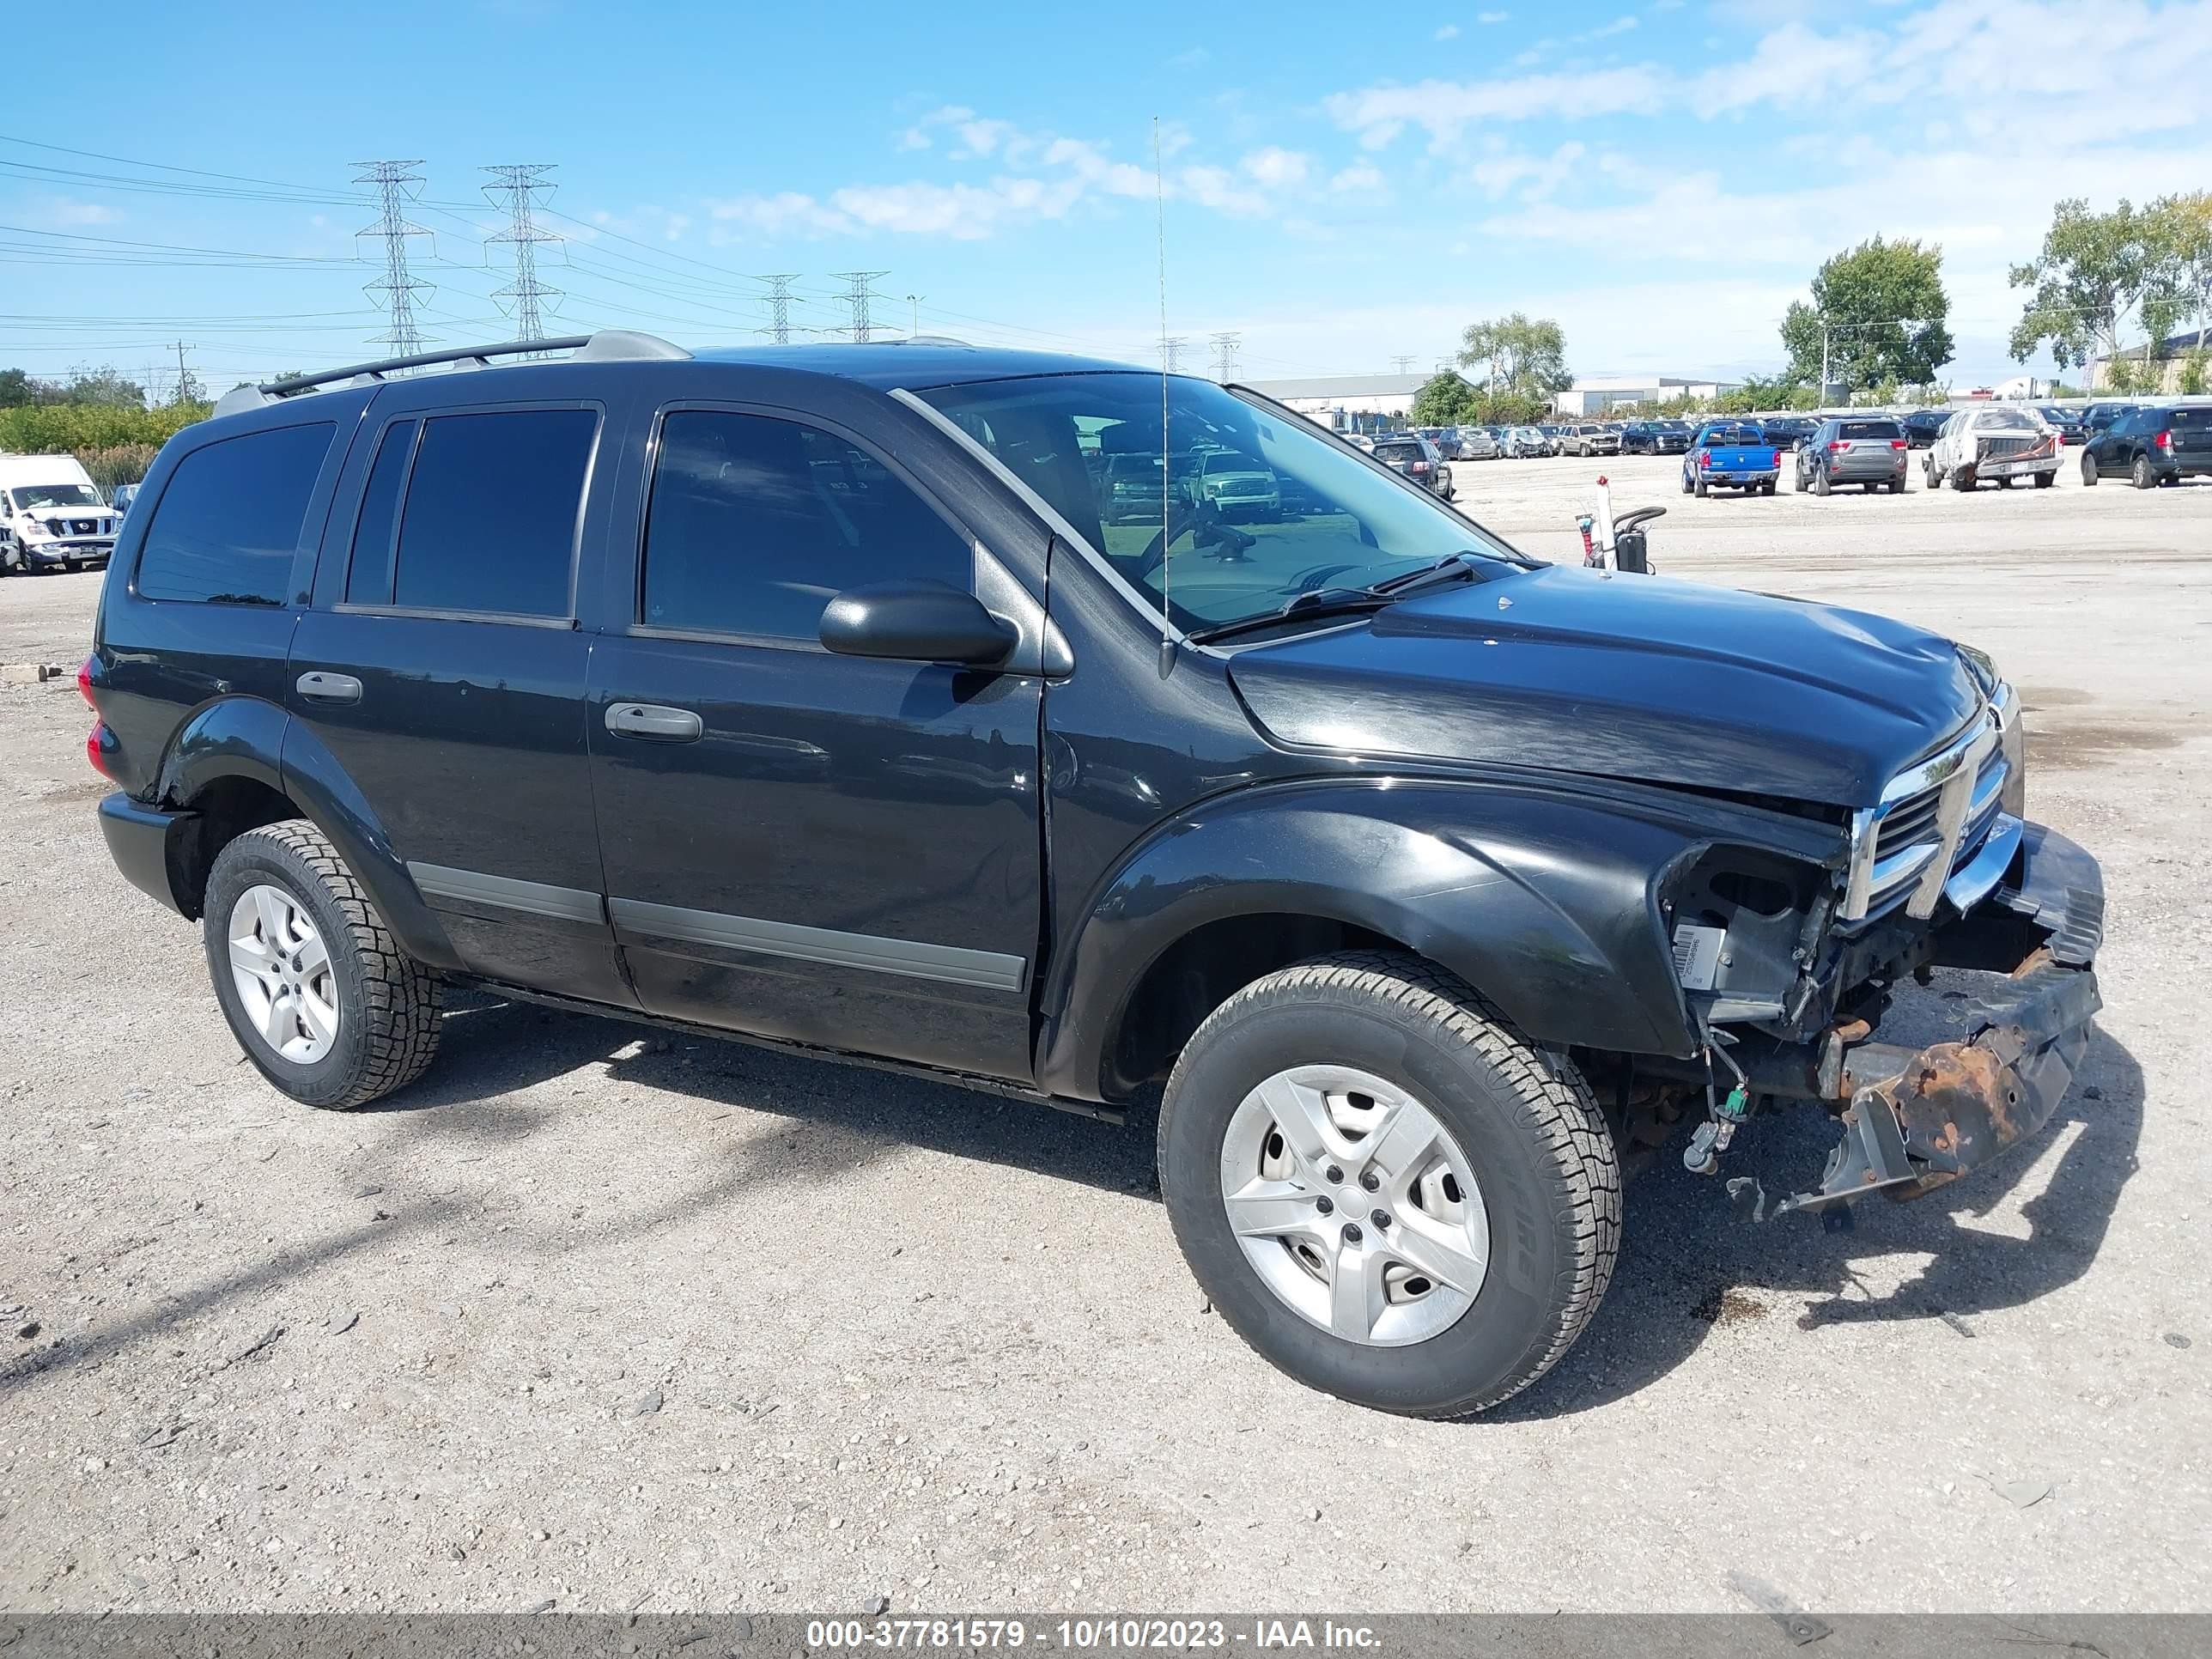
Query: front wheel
(1386, 1190)
(317, 990)
(2089, 468)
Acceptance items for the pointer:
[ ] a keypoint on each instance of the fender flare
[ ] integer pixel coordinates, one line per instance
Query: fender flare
(1544, 895)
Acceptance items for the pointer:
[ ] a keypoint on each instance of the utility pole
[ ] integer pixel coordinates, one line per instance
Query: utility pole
(511, 189)
(779, 307)
(188, 389)
(857, 295)
(1171, 347)
(915, 300)
(396, 290)
(1225, 354)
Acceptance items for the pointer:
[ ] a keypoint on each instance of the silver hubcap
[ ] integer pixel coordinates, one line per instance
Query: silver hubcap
(282, 972)
(1354, 1205)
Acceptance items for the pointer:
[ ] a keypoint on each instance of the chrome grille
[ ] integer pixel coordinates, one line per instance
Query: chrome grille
(1932, 819)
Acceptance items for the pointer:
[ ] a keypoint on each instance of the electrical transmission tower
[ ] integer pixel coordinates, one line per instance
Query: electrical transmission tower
(512, 188)
(396, 290)
(779, 307)
(1225, 354)
(1404, 365)
(857, 295)
(1171, 347)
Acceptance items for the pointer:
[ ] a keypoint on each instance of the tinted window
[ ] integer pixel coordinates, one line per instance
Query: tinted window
(368, 578)
(1399, 452)
(2191, 420)
(227, 525)
(2005, 420)
(1870, 429)
(756, 523)
(490, 520)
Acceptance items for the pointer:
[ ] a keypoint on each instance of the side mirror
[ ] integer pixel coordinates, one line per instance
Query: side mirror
(916, 622)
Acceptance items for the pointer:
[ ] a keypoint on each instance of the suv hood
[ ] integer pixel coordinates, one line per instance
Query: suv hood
(1641, 677)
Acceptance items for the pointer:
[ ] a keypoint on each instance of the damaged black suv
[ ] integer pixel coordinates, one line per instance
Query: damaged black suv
(834, 698)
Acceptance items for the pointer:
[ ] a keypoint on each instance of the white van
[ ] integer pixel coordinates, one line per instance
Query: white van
(51, 517)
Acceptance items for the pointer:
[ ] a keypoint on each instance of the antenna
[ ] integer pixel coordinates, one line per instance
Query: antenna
(1168, 349)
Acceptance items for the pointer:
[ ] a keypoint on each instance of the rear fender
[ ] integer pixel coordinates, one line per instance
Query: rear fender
(229, 738)
(1546, 898)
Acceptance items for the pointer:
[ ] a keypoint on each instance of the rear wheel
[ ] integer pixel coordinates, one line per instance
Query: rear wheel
(1820, 485)
(317, 990)
(1963, 478)
(2045, 480)
(2143, 480)
(1702, 486)
(2089, 468)
(1385, 1189)
(2005, 483)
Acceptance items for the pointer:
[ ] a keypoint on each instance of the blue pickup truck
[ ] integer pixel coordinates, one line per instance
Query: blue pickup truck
(1732, 454)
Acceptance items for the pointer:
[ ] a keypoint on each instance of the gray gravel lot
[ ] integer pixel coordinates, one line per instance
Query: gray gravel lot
(605, 1319)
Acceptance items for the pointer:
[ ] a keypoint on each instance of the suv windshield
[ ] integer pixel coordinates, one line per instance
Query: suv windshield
(1344, 524)
(31, 497)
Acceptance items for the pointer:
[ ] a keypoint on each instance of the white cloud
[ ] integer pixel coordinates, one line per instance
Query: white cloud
(1444, 109)
(1618, 25)
(1217, 188)
(61, 211)
(1364, 178)
(1449, 32)
(1492, 16)
(1277, 168)
(783, 213)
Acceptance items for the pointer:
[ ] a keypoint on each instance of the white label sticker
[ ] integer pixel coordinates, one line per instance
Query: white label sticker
(1697, 955)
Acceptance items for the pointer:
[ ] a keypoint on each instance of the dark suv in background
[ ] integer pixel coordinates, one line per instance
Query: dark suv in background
(2152, 446)
(813, 698)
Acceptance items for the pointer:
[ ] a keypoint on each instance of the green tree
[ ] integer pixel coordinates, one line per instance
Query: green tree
(1445, 400)
(15, 388)
(97, 388)
(1884, 312)
(1519, 357)
(2097, 269)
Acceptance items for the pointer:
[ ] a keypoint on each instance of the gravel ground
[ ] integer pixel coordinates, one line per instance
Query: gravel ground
(601, 1318)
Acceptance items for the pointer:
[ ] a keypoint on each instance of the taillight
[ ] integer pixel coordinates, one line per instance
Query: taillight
(1704, 458)
(1420, 466)
(84, 684)
(1836, 446)
(2164, 441)
(98, 746)
(1899, 443)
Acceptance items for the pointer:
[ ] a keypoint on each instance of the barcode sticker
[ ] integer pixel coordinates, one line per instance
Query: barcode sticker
(1697, 955)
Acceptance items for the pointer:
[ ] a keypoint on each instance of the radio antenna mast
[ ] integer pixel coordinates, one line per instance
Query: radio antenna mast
(1167, 452)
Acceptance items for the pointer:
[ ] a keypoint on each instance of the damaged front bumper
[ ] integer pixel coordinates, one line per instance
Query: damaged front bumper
(1915, 1119)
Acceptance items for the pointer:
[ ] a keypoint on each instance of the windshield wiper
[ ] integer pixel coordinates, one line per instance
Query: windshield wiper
(1321, 602)
(1463, 563)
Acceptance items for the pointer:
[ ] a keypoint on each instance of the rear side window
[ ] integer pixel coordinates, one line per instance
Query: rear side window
(490, 523)
(368, 577)
(229, 520)
(756, 524)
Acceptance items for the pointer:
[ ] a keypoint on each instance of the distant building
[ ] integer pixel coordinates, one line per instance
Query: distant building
(2170, 354)
(1349, 402)
(1596, 393)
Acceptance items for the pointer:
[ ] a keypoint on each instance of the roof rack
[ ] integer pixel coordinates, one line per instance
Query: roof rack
(609, 345)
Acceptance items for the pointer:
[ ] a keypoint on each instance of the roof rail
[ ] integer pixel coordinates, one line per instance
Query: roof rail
(609, 345)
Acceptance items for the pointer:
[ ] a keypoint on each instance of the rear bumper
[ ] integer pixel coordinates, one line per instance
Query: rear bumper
(138, 840)
(1917, 1119)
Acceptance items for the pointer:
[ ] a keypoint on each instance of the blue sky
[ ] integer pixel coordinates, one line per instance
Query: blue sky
(1343, 184)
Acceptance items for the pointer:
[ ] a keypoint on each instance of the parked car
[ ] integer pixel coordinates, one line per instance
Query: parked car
(2152, 446)
(121, 498)
(1130, 487)
(1923, 426)
(1414, 457)
(1863, 450)
(2097, 417)
(51, 517)
(1994, 440)
(1238, 486)
(451, 678)
(1555, 434)
(1786, 431)
(2066, 422)
(1475, 443)
(1655, 438)
(1592, 438)
(1734, 454)
(1524, 441)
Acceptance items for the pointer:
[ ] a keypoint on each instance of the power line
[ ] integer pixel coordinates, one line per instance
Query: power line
(857, 294)
(779, 306)
(511, 190)
(397, 287)
(1224, 354)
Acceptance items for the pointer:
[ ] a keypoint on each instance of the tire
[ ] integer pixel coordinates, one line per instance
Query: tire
(2141, 473)
(1963, 478)
(2088, 469)
(1702, 488)
(1820, 485)
(386, 1003)
(1927, 469)
(2045, 480)
(1768, 487)
(1685, 483)
(1542, 1160)
(2005, 483)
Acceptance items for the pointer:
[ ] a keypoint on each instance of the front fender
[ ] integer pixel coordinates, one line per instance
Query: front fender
(1545, 897)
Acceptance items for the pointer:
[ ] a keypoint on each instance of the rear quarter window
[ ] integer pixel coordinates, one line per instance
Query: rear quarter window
(490, 523)
(230, 518)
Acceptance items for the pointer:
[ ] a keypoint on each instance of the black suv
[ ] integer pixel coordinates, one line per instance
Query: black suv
(2151, 445)
(808, 696)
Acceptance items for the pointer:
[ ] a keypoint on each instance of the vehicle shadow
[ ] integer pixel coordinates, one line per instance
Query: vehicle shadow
(1689, 1264)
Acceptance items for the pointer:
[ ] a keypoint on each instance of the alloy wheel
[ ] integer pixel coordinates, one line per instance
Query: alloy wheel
(282, 972)
(1355, 1206)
